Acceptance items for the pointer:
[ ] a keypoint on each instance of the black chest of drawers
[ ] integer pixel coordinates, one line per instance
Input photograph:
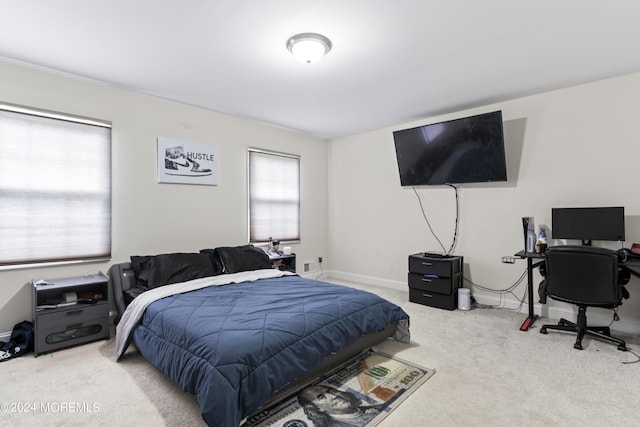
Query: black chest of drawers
(434, 280)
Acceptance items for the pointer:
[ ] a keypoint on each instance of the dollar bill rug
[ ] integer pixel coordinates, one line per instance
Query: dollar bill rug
(361, 392)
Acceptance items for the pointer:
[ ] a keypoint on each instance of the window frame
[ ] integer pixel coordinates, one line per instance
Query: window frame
(298, 158)
(47, 260)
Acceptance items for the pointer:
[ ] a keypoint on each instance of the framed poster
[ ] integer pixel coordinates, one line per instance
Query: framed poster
(186, 162)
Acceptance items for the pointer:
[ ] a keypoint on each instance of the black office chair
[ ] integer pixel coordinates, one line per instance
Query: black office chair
(587, 277)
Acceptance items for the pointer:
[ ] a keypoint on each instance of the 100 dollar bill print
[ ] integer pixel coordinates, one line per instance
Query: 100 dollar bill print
(359, 393)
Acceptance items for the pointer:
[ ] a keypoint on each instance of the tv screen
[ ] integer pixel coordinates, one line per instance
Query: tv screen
(586, 224)
(470, 149)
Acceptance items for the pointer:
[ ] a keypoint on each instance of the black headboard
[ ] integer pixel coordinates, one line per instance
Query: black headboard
(122, 278)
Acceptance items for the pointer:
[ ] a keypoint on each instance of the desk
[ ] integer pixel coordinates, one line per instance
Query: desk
(632, 265)
(531, 265)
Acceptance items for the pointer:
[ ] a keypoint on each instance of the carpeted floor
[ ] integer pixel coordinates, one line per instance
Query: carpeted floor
(488, 373)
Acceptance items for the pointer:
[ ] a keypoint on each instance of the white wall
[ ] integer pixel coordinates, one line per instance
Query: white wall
(573, 147)
(577, 146)
(151, 218)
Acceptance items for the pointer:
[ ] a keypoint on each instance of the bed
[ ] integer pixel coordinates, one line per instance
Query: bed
(239, 334)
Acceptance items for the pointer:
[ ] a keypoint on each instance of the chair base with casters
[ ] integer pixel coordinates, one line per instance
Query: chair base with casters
(581, 328)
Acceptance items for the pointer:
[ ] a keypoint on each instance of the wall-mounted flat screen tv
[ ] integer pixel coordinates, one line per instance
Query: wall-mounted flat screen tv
(466, 150)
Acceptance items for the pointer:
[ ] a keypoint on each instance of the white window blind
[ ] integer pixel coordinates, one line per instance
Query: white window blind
(274, 196)
(55, 188)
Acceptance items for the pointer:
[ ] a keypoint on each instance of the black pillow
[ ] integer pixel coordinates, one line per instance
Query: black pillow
(138, 265)
(166, 269)
(243, 258)
(215, 259)
(131, 293)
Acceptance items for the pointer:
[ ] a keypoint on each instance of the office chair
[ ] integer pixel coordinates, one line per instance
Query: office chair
(587, 277)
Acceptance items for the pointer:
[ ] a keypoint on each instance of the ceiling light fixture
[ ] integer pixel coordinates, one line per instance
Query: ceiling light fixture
(309, 47)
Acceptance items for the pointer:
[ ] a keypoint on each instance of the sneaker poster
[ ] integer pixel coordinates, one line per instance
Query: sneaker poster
(187, 162)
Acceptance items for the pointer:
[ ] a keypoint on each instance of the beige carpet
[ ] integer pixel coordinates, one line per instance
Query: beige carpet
(489, 373)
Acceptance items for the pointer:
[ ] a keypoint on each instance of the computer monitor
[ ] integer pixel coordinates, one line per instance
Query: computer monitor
(587, 224)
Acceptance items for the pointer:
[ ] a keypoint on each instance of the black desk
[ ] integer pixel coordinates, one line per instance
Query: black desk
(531, 265)
(632, 265)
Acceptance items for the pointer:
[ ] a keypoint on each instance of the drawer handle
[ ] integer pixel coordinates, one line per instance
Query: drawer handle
(427, 263)
(74, 312)
(427, 295)
(424, 279)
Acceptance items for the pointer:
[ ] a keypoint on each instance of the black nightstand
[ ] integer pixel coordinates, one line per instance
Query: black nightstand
(68, 312)
(283, 262)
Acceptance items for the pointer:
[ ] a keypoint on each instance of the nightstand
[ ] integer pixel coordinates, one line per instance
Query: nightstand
(283, 262)
(68, 312)
(434, 281)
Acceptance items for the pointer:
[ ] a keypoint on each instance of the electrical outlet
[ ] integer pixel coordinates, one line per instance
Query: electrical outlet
(320, 259)
(306, 267)
(508, 260)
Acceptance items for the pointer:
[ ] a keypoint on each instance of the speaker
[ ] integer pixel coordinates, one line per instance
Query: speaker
(529, 234)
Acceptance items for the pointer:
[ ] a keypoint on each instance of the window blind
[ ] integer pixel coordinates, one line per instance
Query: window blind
(274, 196)
(55, 188)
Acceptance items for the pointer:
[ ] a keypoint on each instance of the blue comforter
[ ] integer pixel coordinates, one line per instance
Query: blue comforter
(234, 345)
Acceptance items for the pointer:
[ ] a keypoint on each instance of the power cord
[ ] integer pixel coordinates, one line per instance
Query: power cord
(616, 318)
(317, 275)
(455, 231)
(502, 293)
(424, 215)
(510, 289)
(633, 361)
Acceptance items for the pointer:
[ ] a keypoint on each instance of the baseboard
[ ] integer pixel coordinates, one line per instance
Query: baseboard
(595, 316)
(314, 275)
(368, 280)
(569, 312)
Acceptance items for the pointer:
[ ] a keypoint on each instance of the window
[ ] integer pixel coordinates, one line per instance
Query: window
(55, 188)
(274, 196)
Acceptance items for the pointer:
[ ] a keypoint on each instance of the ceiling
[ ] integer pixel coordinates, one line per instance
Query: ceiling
(393, 61)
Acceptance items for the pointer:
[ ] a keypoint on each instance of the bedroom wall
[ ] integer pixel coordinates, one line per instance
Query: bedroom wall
(573, 147)
(151, 218)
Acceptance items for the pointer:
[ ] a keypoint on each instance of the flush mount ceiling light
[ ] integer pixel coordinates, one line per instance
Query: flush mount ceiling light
(308, 47)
